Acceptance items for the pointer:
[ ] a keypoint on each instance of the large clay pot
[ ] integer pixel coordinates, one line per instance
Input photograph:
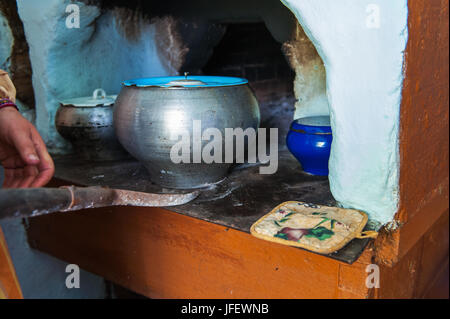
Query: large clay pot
(87, 123)
(151, 114)
(309, 140)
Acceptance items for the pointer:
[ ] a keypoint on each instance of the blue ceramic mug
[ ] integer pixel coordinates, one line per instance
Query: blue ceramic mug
(309, 140)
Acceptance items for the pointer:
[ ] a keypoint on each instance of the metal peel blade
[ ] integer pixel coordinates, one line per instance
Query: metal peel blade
(40, 201)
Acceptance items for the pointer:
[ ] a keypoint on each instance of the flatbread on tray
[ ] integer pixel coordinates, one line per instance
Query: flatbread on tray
(321, 229)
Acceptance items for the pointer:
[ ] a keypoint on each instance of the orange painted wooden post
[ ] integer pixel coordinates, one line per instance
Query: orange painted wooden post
(9, 285)
(416, 253)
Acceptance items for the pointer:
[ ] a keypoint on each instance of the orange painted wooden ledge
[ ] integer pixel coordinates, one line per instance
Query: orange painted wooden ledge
(162, 254)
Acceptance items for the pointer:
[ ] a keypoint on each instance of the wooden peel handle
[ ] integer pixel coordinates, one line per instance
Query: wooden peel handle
(38, 201)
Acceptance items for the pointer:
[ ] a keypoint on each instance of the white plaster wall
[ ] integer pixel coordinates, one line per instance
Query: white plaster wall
(6, 43)
(364, 81)
(6, 48)
(69, 63)
(310, 76)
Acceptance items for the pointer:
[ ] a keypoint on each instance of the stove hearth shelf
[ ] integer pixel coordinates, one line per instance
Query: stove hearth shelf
(202, 249)
(236, 202)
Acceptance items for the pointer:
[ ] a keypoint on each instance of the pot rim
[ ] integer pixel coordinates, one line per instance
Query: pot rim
(316, 125)
(98, 99)
(198, 81)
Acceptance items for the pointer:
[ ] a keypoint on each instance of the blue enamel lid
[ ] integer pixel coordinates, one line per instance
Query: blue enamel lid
(186, 81)
(312, 124)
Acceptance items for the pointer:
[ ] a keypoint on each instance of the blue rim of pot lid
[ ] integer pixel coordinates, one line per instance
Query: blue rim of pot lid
(190, 81)
(98, 98)
(312, 124)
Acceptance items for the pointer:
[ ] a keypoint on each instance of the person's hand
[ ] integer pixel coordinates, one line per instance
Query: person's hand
(23, 153)
(7, 89)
